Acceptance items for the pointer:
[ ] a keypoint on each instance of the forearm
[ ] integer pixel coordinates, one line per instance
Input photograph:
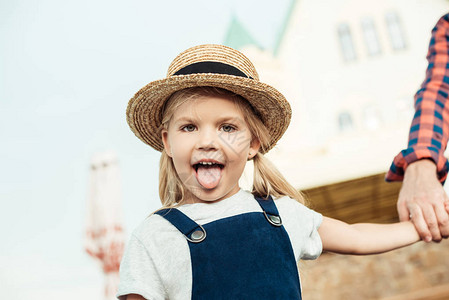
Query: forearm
(361, 238)
(379, 238)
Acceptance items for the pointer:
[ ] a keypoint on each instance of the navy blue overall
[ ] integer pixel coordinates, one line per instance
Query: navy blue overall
(247, 256)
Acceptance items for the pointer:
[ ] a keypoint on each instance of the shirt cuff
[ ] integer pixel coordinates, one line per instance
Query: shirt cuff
(410, 155)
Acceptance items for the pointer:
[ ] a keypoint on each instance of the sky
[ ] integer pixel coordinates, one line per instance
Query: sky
(67, 71)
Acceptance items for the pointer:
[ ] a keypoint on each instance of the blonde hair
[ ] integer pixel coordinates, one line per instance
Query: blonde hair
(267, 179)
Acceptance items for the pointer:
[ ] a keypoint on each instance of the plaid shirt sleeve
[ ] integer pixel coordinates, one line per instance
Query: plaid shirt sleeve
(429, 130)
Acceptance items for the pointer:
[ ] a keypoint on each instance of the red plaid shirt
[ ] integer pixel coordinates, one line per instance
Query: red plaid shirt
(430, 126)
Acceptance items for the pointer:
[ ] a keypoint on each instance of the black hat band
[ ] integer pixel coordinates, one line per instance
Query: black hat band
(211, 67)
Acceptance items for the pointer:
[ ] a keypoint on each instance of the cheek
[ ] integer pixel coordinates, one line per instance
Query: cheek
(237, 160)
(180, 158)
(185, 177)
(237, 141)
(183, 169)
(179, 143)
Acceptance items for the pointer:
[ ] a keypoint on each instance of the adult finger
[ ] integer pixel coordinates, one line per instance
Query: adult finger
(403, 211)
(431, 220)
(420, 224)
(443, 218)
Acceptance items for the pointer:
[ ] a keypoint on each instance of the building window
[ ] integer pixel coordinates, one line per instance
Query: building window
(370, 37)
(395, 31)
(347, 46)
(345, 121)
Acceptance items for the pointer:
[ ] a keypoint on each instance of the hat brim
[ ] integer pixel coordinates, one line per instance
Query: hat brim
(144, 112)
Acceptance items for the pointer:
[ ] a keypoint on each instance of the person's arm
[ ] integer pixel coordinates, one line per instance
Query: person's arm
(429, 131)
(420, 194)
(365, 238)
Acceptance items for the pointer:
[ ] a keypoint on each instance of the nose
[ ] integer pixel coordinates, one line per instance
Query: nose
(207, 139)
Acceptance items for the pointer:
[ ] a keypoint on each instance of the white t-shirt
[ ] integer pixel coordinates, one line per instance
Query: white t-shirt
(156, 263)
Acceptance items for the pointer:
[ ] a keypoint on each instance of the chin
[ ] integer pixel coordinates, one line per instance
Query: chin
(209, 195)
(200, 194)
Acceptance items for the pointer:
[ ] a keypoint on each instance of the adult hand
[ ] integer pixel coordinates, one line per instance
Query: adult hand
(422, 199)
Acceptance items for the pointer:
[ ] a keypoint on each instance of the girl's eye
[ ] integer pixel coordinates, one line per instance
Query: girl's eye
(228, 128)
(188, 128)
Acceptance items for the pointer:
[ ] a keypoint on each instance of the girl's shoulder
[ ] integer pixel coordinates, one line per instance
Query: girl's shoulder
(293, 209)
(301, 224)
(152, 225)
(286, 201)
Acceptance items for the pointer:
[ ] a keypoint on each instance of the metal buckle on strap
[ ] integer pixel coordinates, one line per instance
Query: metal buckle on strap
(273, 219)
(197, 236)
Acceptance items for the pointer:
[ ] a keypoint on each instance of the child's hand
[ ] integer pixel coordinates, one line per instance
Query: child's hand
(446, 205)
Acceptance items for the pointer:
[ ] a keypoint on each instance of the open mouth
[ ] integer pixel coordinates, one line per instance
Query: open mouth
(207, 165)
(208, 173)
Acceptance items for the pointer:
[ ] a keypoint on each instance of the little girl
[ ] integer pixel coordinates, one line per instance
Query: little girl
(211, 239)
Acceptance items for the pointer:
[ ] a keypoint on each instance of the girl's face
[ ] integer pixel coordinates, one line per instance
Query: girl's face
(209, 143)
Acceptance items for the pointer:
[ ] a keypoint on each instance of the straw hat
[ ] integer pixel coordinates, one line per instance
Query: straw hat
(207, 65)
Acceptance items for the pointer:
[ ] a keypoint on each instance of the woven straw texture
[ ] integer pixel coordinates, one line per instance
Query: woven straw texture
(144, 112)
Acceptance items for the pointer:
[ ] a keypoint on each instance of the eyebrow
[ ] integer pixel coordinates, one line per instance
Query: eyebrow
(183, 120)
(188, 119)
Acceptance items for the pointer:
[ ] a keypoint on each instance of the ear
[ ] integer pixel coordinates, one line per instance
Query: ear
(166, 142)
(253, 148)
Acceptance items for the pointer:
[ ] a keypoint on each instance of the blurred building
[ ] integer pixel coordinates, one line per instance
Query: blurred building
(350, 70)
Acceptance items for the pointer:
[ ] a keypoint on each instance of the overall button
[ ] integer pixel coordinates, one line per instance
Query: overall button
(197, 235)
(275, 219)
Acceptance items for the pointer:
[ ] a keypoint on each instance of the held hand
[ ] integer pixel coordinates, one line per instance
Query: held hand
(423, 200)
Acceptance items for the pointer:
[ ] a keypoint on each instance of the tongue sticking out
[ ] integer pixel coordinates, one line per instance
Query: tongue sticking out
(208, 177)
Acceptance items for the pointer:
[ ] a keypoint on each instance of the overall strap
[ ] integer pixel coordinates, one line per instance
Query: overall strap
(270, 210)
(192, 231)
